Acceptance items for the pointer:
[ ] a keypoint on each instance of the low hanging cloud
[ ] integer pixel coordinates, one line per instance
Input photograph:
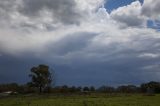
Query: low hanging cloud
(81, 40)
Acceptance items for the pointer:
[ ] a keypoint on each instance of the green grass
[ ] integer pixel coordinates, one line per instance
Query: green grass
(82, 100)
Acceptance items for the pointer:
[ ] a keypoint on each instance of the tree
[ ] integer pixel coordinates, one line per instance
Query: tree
(85, 89)
(127, 89)
(92, 89)
(106, 89)
(41, 77)
(151, 87)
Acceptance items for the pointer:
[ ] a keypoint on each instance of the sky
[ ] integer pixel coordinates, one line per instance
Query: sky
(85, 42)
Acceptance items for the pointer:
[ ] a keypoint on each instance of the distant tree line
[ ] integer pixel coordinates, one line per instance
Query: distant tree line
(150, 87)
(42, 80)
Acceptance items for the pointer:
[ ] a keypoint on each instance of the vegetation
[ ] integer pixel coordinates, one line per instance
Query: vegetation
(82, 100)
(149, 88)
(41, 77)
(147, 94)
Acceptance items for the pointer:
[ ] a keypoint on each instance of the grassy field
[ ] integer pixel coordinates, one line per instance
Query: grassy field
(82, 100)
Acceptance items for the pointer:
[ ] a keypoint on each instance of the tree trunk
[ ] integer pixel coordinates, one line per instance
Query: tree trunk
(40, 89)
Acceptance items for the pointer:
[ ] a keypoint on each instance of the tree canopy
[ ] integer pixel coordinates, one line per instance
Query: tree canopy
(41, 77)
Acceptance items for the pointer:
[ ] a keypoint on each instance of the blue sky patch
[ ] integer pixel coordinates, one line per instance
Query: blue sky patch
(114, 4)
(153, 24)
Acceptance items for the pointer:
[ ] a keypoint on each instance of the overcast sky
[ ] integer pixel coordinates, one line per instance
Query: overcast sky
(86, 42)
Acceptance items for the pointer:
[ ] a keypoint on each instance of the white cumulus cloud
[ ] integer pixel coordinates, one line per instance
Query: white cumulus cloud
(130, 15)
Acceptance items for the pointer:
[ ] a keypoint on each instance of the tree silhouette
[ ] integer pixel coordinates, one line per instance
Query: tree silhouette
(41, 77)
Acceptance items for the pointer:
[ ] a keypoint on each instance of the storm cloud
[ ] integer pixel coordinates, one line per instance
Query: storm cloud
(80, 40)
(60, 10)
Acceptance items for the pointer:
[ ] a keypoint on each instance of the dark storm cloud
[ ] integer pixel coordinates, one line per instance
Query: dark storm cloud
(94, 52)
(123, 67)
(39, 14)
(72, 43)
(62, 10)
(6, 7)
(76, 63)
(111, 64)
(16, 69)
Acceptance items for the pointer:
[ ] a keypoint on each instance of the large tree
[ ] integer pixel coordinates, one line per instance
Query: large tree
(41, 77)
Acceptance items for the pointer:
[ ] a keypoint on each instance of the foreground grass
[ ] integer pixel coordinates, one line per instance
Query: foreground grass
(82, 100)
